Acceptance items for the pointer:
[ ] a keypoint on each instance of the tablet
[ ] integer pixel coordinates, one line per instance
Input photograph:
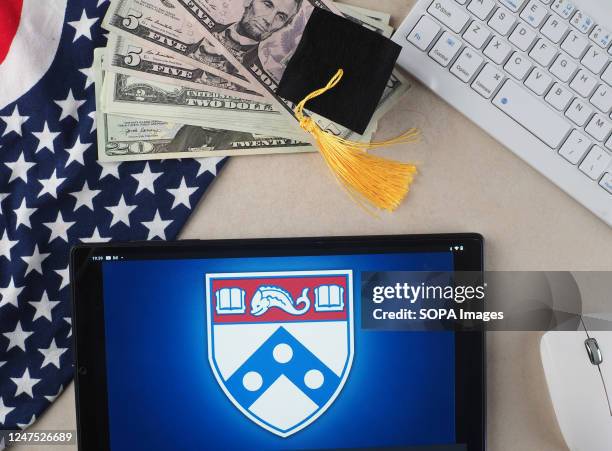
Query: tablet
(260, 345)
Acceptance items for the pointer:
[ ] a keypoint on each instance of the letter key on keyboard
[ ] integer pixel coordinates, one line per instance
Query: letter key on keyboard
(447, 12)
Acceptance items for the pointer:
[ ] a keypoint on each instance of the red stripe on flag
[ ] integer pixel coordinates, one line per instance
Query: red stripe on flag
(10, 14)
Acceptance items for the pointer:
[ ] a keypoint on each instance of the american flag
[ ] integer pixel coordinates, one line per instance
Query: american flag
(54, 193)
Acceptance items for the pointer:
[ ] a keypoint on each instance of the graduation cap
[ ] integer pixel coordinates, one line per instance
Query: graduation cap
(341, 69)
(331, 42)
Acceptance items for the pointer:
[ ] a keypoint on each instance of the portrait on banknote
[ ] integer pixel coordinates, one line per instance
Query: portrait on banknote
(162, 24)
(261, 33)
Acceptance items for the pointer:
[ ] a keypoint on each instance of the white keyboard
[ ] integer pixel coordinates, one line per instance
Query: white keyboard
(535, 74)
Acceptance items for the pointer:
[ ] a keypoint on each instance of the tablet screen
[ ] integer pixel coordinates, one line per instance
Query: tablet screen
(269, 353)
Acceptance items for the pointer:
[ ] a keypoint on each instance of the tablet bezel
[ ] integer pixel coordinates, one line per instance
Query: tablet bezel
(88, 314)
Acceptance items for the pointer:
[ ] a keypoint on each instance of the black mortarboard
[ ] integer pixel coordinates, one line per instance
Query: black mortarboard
(331, 42)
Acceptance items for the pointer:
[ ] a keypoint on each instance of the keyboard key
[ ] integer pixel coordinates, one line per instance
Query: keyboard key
(512, 5)
(579, 112)
(501, 21)
(602, 99)
(481, 8)
(466, 65)
(476, 34)
(606, 182)
(532, 114)
(584, 83)
(582, 22)
(575, 147)
(554, 29)
(575, 44)
(607, 75)
(559, 96)
(609, 143)
(449, 14)
(534, 13)
(543, 52)
(594, 60)
(522, 37)
(596, 162)
(497, 49)
(564, 8)
(487, 81)
(600, 36)
(598, 127)
(563, 67)
(518, 65)
(538, 81)
(445, 49)
(423, 33)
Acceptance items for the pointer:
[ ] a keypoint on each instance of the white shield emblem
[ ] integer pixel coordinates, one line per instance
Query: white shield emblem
(280, 344)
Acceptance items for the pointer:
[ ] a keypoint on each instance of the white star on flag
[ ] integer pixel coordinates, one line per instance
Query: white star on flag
(208, 165)
(9, 294)
(111, 169)
(65, 275)
(146, 179)
(157, 227)
(82, 27)
(34, 261)
(6, 244)
(4, 411)
(121, 212)
(19, 168)
(14, 122)
(69, 106)
(75, 153)
(96, 238)
(43, 307)
(52, 355)
(17, 338)
(88, 72)
(93, 117)
(50, 185)
(59, 228)
(25, 383)
(85, 197)
(45, 138)
(181, 194)
(23, 214)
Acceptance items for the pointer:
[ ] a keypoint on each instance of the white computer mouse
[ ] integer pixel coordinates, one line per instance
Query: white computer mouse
(578, 368)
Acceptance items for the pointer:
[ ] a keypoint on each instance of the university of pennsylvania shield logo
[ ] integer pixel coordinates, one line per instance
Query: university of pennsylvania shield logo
(280, 344)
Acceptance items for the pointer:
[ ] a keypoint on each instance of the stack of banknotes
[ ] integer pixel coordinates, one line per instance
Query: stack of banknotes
(161, 94)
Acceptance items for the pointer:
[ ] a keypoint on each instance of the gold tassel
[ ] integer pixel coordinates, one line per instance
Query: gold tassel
(367, 178)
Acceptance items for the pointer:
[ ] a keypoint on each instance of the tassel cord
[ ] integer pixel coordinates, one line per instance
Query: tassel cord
(367, 178)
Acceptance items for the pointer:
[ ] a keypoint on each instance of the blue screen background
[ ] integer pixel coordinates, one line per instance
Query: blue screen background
(162, 393)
